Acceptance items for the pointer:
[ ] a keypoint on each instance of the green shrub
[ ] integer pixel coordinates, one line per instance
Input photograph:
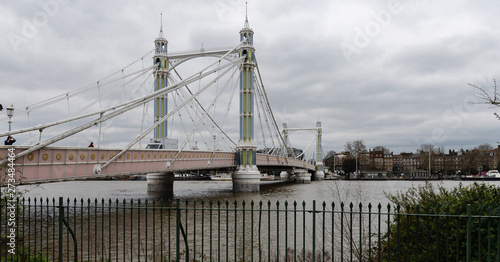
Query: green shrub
(432, 225)
(23, 256)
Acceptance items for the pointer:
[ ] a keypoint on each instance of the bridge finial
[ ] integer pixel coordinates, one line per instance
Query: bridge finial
(161, 26)
(246, 16)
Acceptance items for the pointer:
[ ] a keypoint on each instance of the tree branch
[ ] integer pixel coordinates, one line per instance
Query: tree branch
(492, 99)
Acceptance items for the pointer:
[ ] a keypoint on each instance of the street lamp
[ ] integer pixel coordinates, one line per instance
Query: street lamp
(10, 114)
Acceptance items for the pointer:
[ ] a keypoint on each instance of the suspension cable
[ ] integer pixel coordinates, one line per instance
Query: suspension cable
(123, 108)
(176, 86)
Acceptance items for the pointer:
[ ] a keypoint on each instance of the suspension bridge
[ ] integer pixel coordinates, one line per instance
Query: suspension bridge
(200, 105)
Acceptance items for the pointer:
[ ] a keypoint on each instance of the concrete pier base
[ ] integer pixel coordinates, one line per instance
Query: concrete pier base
(319, 175)
(246, 179)
(161, 184)
(302, 176)
(284, 176)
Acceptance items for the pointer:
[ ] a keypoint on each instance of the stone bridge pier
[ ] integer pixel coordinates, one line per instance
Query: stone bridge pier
(161, 184)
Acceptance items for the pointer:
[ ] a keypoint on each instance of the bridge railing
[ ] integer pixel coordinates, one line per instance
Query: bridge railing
(66, 163)
(126, 230)
(269, 160)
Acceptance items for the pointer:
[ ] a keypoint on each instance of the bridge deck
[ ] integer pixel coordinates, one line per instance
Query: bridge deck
(70, 163)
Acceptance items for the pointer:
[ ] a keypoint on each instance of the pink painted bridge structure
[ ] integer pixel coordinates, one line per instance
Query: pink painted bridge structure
(72, 163)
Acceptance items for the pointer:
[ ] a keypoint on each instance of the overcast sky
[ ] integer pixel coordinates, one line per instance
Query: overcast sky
(392, 73)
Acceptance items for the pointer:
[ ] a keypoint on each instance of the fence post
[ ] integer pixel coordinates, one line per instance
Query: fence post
(177, 230)
(61, 215)
(314, 232)
(469, 226)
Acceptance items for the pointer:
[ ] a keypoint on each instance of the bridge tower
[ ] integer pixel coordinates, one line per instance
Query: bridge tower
(161, 75)
(246, 178)
(285, 137)
(161, 184)
(319, 174)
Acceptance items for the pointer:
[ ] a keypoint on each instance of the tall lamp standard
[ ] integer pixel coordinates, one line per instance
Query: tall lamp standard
(10, 114)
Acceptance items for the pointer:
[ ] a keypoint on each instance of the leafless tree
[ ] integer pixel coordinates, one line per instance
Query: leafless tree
(491, 98)
(355, 147)
(329, 159)
(381, 148)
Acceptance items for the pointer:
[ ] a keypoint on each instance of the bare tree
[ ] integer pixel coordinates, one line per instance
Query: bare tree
(488, 98)
(381, 148)
(357, 150)
(355, 147)
(484, 147)
(329, 159)
(424, 151)
(484, 156)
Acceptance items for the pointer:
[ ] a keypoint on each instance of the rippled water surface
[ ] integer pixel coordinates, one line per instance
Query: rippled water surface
(347, 191)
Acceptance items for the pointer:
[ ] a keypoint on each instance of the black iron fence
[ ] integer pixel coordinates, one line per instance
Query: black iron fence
(151, 230)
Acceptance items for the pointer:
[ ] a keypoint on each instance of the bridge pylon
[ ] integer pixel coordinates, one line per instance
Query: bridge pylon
(319, 174)
(246, 178)
(160, 59)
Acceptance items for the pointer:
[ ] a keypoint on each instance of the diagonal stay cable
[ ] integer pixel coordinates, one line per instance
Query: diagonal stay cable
(178, 85)
(129, 105)
(203, 109)
(205, 113)
(70, 119)
(275, 125)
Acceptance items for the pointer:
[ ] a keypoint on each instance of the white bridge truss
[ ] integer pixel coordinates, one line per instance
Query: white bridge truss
(194, 108)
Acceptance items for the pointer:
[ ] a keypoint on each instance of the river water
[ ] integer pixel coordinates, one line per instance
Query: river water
(373, 192)
(123, 231)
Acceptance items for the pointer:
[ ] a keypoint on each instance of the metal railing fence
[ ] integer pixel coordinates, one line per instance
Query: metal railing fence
(157, 230)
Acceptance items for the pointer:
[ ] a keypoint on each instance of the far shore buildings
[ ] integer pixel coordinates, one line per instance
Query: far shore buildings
(417, 165)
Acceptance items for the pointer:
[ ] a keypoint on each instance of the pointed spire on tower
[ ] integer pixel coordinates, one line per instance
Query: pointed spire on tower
(161, 26)
(246, 25)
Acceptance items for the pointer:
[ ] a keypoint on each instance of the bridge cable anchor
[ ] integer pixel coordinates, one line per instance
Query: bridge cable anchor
(97, 169)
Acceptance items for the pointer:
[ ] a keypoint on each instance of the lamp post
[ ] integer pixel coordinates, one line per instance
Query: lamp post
(429, 163)
(357, 164)
(10, 114)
